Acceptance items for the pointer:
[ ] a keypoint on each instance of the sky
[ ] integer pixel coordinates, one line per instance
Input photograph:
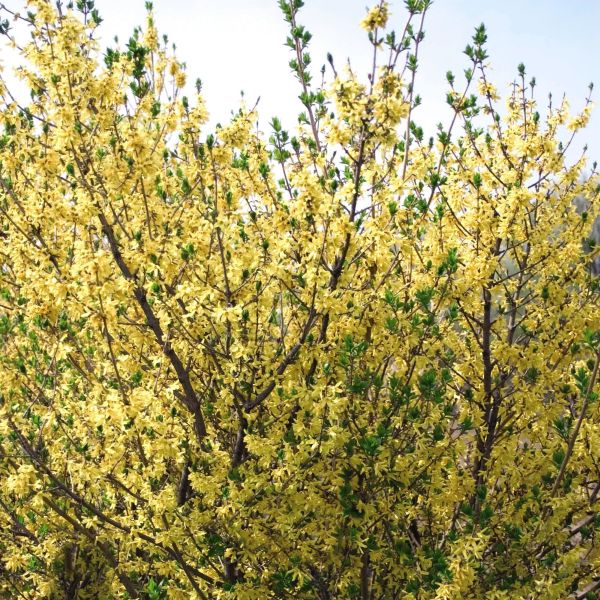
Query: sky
(237, 45)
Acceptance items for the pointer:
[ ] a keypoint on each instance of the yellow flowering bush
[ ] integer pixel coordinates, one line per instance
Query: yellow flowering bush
(339, 361)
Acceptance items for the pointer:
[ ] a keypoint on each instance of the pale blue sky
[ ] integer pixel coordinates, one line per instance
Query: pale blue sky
(235, 45)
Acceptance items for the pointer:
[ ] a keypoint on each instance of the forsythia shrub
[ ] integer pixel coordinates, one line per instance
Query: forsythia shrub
(341, 362)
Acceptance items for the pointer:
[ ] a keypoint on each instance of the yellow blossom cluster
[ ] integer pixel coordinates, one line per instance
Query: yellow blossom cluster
(343, 361)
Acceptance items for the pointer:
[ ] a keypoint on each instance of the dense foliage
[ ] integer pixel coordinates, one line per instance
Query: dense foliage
(342, 361)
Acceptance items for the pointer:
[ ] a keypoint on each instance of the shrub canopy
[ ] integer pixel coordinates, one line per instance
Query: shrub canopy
(337, 361)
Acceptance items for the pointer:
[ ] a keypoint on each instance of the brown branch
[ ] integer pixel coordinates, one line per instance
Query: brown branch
(189, 397)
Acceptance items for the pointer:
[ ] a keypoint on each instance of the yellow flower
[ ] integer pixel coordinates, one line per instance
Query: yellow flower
(377, 17)
(180, 79)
